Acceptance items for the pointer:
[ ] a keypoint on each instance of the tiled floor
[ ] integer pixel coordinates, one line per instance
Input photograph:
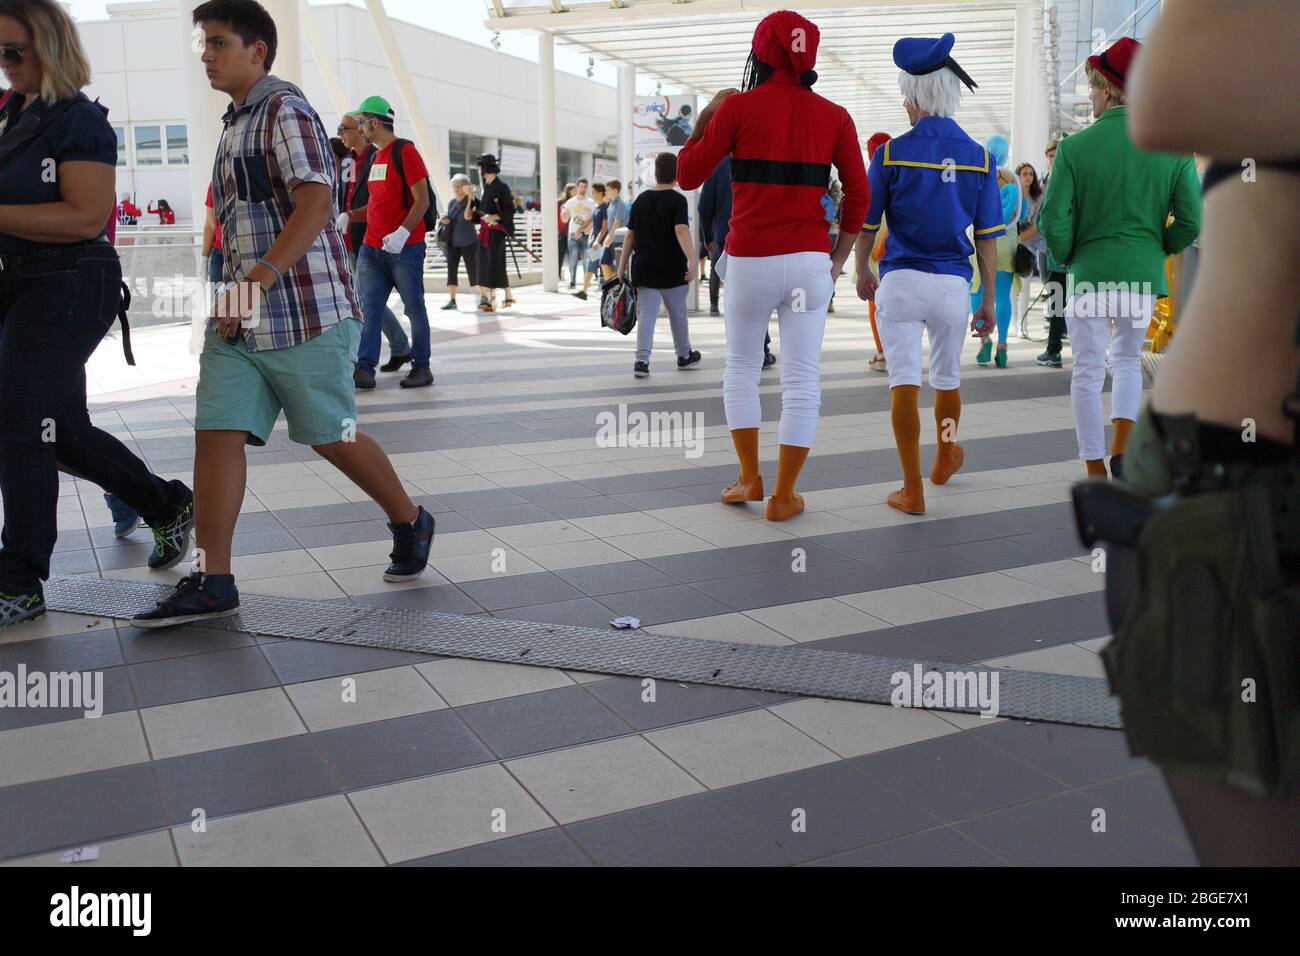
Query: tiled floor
(220, 748)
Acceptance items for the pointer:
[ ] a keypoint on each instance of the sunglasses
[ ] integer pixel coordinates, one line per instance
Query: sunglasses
(343, 129)
(12, 53)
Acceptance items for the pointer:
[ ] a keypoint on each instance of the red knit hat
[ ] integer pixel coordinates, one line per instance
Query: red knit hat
(1116, 60)
(877, 140)
(786, 40)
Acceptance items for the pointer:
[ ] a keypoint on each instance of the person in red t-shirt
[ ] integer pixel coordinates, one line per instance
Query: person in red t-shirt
(129, 212)
(212, 251)
(783, 139)
(392, 253)
(164, 213)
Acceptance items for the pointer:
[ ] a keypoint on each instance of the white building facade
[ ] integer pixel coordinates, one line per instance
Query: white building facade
(474, 99)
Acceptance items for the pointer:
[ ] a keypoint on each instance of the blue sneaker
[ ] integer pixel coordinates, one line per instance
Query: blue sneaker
(21, 607)
(125, 518)
(411, 545)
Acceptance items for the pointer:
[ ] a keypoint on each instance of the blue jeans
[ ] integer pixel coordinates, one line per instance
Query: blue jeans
(393, 331)
(378, 273)
(576, 258)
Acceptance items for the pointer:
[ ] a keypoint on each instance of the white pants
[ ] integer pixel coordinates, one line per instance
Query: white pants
(908, 302)
(798, 286)
(1099, 322)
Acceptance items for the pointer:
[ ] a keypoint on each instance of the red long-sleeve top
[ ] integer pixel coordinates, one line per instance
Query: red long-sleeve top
(782, 138)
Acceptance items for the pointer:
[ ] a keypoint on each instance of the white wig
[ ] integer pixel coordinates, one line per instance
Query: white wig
(937, 93)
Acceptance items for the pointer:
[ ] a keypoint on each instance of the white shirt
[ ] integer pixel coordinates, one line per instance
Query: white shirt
(580, 210)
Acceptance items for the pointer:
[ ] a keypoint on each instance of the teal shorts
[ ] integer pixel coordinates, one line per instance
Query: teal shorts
(245, 391)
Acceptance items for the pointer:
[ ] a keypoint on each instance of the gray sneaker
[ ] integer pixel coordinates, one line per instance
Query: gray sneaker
(21, 607)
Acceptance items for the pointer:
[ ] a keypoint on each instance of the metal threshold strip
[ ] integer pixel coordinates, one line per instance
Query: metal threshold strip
(804, 671)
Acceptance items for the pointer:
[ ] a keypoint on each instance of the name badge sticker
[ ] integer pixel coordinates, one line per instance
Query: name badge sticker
(378, 172)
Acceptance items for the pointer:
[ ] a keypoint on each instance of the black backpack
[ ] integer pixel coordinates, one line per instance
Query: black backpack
(431, 215)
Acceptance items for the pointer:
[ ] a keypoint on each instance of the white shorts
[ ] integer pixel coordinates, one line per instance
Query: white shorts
(908, 302)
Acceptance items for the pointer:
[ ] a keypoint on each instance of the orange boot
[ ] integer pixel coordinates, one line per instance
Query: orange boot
(785, 502)
(907, 436)
(749, 486)
(947, 413)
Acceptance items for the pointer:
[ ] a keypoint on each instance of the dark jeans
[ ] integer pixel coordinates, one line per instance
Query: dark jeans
(398, 343)
(1054, 306)
(53, 314)
(455, 256)
(378, 273)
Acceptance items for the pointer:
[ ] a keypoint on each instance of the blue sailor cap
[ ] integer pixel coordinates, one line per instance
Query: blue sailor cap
(921, 55)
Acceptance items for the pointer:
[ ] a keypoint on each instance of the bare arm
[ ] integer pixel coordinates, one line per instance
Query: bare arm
(419, 203)
(628, 242)
(85, 201)
(209, 230)
(683, 234)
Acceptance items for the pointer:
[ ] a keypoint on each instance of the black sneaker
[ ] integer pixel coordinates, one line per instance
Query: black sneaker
(363, 378)
(417, 378)
(1050, 359)
(189, 602)
(580, 294)
(21, 607)
(171, 541)
(1117, 466)
(690, 360)
(411, 544)
(769, 359)
(641, 369)
(395, 362)
(713, 310)
(450, 306)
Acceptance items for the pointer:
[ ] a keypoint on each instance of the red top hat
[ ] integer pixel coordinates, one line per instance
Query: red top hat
(1116, 60)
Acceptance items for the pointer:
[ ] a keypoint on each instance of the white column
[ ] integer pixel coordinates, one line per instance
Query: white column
(204, 108)
(288, 54)
(435, 157)
(626, 90)
(1029, 120)
(324, 62)
(549, 170)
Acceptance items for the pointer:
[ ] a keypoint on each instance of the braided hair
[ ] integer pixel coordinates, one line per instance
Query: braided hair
(757, 72)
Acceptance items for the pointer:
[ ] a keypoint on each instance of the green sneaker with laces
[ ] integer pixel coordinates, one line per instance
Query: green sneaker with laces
(15, 608)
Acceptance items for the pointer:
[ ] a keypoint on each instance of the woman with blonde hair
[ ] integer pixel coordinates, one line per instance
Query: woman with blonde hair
(59, 291)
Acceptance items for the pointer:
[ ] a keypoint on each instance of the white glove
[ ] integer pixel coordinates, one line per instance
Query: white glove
(395, 241)
(342, 223)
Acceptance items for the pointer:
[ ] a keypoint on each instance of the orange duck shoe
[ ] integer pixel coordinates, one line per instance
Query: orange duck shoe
(783, 509)
(946, 464)
(742, 491)
(909, 499)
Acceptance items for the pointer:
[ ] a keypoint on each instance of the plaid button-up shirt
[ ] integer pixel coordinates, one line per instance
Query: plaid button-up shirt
(271, 144)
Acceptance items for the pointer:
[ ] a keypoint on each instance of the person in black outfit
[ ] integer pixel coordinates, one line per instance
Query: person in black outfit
(462, 243)
(496, 218)
(60, 288)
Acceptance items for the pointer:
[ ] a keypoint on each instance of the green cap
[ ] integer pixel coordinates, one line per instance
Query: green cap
(376, 105)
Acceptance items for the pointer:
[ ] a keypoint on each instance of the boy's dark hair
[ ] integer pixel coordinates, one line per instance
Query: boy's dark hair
(666, 168)
(584, 180)
(614, 184)
(598, 188)
(247, 19)
(339, 147)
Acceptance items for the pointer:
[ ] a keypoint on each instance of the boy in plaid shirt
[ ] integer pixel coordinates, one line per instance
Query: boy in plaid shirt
(285, 330)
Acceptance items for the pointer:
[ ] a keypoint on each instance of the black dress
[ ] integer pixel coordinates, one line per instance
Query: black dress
(495, 199)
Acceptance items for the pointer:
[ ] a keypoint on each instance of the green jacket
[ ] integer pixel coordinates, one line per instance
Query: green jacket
(1107, 203)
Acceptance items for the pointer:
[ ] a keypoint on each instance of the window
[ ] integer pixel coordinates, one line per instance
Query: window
(178, 146)
(120, 133)
(463, 151)
(527, 188)
(148, 146)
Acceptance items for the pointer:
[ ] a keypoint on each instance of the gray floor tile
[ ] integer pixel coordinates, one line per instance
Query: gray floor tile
(501, 516)
(612, 578)
(679, 602)
(707, 565)
(294, 518)
(661, 498)
(440, 597)
(673, 703)
(1144, 797)
(542, 848)
(73, 562)
(201, 675)
(237, 779)
(996, 554)
(586, 507)
(519, 590)
(546, 720)
(83, 651)
(1058, 831)
(158, 644)
(385, 751)
(297, 661)
(888, 642)
(82, 809)
(117, 696)
(351, 532)
(757, 590)
(838, 808)
(699, 830)
(943, 846)
(916, 567)
(261, 542)
(956, 776)
(1075, 755)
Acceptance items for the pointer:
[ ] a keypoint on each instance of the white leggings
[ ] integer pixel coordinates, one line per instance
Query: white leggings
(798, 286)
(1099, 322)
